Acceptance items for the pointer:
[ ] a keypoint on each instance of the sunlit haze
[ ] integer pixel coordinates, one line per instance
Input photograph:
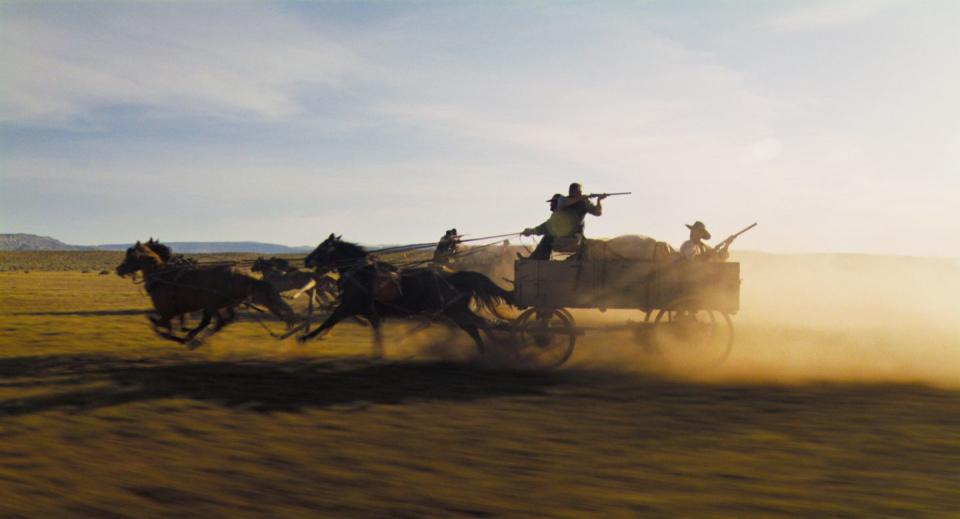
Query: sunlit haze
(835, 125)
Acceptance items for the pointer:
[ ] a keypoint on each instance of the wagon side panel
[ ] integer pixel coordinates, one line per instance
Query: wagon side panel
(713, 286)
(552, 284)
(586, 284)
(623, 284)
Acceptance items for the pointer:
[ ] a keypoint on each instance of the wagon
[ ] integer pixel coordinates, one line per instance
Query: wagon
(685, 304)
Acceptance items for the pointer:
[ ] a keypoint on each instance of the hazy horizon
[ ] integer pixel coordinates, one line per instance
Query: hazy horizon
(835, 125)
(736, 250)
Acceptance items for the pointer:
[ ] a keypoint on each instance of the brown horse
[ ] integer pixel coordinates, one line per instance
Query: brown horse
(285, 277)
(177, 290)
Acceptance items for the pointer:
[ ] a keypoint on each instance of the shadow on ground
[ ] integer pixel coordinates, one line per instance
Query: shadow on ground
(258, 385)
(294, 385)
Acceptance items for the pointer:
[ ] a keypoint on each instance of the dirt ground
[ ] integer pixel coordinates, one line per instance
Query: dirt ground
(99, 418)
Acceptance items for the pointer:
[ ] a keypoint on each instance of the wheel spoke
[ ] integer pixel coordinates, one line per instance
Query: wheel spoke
(545, 337)
(704, 336)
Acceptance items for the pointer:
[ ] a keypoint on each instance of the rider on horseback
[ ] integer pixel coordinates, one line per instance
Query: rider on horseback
(447, 247)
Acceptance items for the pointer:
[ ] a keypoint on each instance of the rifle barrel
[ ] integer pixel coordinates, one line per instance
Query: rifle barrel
(594, 195)
(729, 240)
(747, 228)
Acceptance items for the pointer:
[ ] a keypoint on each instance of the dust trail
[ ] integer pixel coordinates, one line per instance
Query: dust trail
(820, 317)
(802, 318)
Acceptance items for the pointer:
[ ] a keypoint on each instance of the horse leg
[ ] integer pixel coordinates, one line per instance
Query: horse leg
(338, 315)
(219, 321)
(471, 323)
(279, 308)
(376, 321)
(207, 315)
(474, 333)
(161, 322)
(306, 322)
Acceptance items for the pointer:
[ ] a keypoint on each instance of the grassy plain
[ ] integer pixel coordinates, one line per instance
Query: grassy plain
(99, 418)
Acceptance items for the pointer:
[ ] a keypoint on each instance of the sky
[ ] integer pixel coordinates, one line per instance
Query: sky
(834, 124)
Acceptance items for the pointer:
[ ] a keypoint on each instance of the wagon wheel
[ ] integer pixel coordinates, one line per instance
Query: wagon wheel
(566, 313)
(544, 337)
(642, 332)
(703, 337)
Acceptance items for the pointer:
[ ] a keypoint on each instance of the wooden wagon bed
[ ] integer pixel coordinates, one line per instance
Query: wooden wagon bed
(628, 284)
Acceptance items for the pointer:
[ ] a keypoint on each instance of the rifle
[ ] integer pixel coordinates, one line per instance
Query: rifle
(598, 195)
(725, 244)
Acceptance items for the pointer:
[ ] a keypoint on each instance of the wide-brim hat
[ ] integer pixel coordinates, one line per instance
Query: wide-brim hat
(698, 225)
(554, 197)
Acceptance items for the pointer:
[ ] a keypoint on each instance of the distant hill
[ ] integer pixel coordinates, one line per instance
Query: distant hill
(30, 242)
(21, 241)
(216, 247)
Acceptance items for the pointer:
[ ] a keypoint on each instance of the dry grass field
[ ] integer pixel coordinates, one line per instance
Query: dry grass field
(846, 405)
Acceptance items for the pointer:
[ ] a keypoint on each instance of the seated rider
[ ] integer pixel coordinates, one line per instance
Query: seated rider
(695, 249)
(566, 220)
(446, 248)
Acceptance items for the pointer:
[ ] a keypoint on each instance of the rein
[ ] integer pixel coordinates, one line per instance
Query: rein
(390, 250)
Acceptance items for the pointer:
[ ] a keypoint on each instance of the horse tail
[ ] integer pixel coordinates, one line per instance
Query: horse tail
(263, 293)
(482, 289)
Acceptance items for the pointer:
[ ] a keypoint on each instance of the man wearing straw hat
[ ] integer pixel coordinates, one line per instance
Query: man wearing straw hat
(695, 249)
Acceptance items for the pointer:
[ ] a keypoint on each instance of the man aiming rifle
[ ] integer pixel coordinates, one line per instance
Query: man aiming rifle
(566, 220)
(604, 195)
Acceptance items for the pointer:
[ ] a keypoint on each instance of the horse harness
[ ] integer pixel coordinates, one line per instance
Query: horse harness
(387, 286)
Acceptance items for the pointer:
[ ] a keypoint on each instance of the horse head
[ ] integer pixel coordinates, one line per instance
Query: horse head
(334, 253)
(280, 264)
(159, 249)
(260, 265)
(137, 258)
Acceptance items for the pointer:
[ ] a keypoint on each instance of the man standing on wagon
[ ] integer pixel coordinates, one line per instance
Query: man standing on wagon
(566, 220)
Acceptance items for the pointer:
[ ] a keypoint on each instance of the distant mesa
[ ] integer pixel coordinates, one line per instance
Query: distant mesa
(33, 242)
(204, 247)
(20, 241)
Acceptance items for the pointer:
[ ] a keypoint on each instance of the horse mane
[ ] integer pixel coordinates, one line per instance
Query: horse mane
(351, 248)
(336, 253)
(164, 252)
(280, 264)
(147, 250)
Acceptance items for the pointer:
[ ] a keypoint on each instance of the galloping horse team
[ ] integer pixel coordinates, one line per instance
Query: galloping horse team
(368, 289)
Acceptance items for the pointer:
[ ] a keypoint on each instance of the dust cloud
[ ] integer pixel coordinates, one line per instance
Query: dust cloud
(802, 318)
(815, 317)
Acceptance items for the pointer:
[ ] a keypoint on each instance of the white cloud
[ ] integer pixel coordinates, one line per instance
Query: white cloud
(174, 59)
(763, 150)
(628, 99)
(823, 13)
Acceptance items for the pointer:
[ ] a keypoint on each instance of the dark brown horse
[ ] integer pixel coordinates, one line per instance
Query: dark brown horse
(375, 290)
(180, 289)
(285, 277)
